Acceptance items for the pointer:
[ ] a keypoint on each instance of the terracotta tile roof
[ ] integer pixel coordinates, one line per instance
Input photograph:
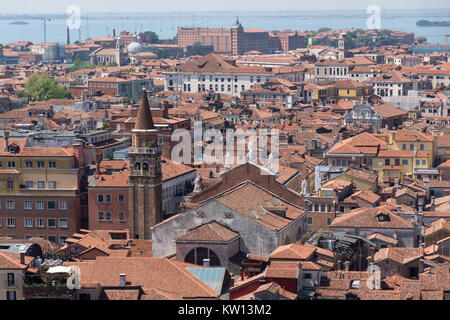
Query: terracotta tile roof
(256, 199)
(282, 269)
(211, 231)
(383, 238)
(293, 252)
(398, 254)
(368, 218)
(387, 111)
(123, 294)
(151, 273)
(365, 195)
(12, 261)
(412, 136)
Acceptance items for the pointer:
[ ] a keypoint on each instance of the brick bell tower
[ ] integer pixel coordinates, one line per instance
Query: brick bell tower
(145, 178)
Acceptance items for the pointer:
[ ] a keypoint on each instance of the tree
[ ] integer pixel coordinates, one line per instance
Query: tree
(421, 40)
(324, 29)
(150, 37)
(113, 64)
(79, 64)
(197, 48)
(162, 53)
(41, 87)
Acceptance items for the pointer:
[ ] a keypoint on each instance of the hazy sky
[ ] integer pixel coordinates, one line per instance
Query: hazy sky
(91, 6)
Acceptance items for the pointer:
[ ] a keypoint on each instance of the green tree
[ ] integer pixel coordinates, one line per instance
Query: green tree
(150, 37)
(113, 64)
(41, 87)
(421, 40)
(197, 48)
(162, 53)
(324, 29)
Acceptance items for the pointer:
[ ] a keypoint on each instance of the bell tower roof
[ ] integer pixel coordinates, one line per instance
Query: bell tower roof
(144, 118)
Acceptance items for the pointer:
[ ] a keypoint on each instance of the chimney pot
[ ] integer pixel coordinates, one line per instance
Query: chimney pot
(206, 263)
(22, 257)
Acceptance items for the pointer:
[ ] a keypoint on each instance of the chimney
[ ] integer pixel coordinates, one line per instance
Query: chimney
(206, 263)
(166, 110)
(123, 279)
(242, 275)
(396, 181)
(22, 257)
(347, 265)
(98, 161)
(68, 35)
(6, 140)
(426, 182)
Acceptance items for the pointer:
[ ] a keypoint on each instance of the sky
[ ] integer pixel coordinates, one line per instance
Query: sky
(100, 6)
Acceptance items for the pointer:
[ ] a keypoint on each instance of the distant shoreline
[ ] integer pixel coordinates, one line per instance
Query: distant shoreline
(427, 23)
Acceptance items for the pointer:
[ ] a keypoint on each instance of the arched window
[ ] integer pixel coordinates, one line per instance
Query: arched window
(197, 255)
(137, 166)
(145, 166)
(287, 240)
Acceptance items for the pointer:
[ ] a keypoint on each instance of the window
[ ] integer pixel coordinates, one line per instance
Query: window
(51, 205)
(40, 204)
(424, 162)
(310, 220)
(63, 205)
(322, 208)
(422, 147)
(10, 204)
(10, 222)
(11, 281)
(41, 184)
(387, 162)
(11, 164)
(51, 223)
(10, 295)
(329, 208)
(121, 216)
(52, 238)
(100, 198)
(29, 184)
(328, 221)
(417, 162)
(108, 198)
(101, 216)
(10, 185)
(121, 198)
(52, 184)
(108, 216)
(28, 164)
(28, 204)
(63, 223)
(40, 164)
(411, 147)
(40, 223)
(316, 208)
(62, 240)
(28, 223)
(405, 162)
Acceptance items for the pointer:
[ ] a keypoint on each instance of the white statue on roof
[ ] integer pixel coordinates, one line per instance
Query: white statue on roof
(198, 184)
(304, 187)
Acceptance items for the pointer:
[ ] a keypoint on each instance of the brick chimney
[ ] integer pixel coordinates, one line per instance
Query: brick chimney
(22, 257)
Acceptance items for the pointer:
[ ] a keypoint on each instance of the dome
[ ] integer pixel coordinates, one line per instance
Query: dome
(134, 47)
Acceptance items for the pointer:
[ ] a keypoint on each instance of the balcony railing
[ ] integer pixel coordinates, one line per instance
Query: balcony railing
(154, 150)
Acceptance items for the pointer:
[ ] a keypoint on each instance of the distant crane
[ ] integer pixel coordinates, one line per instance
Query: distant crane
(45, 28)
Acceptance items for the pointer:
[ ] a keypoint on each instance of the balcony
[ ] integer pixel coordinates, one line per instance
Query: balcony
(134, 150)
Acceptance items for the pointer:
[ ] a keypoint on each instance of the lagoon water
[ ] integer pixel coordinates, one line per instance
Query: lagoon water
(165, 24)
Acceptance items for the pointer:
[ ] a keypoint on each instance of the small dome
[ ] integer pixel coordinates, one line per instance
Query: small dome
(134, 47)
